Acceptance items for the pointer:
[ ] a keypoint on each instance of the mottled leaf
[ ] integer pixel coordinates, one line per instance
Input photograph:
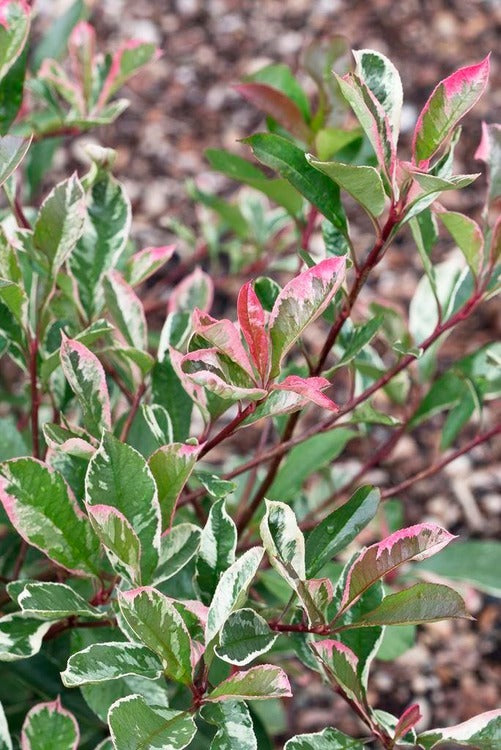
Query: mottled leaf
(14, 28)
(235, 728)
(50, 725)
(449, 102)
(327, 739)
(218, 543)
(136, 726)
(157, 624)
(60, 222)
(300, 302)
(39, 505)
(87, 380)
(126, 309)
(171, 467)
(13, 149)
(483, 732)
(231, 590)
(51, 601)
(413, 543)
(100, 662)
(119, 476)
(244, 637)
(20, 636)
(257, 683)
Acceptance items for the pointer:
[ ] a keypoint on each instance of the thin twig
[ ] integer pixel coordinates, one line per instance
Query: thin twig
(439, 465)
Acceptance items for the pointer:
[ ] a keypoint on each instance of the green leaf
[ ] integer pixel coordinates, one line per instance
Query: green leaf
(489, 151)
(126, 309)
(244, 637)
(51, 601)
(101, 662)
(5, 740)
(309, 457)
(12, 443)
(283, 541)
(358, 337)
(236, 168)
(119, 476)
(49, 725)
(468, 237)
(177, 548)
(167, 391)
(171, 467)
(483, 732)
(397, 639)
(474, 561)
(423, 602)
(157, 623)
(11, 92)
(14, 297)
(290, 161)
(21, 636)
(382, 78)
(327, 739)
(87, 380)
(363, 183)
(257, 683)
(135, 726)
(301, 302)
(234, 723)
(218, 543)
(13, 33)
(41, 509)
(60, 222)
(53, 44)
(231, 591)
(280, 77)
(106, 231)
(451, 99)
(339, 528)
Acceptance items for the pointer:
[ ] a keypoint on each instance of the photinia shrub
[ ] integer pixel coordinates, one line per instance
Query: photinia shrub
(159, 579)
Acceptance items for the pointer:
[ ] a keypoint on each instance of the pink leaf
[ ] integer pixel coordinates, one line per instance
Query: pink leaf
(252, 322)
(301, 302)
(310, 388)
(451, 99)
(223, 335)
(82, 49)
(341, 666)
(407, 721)
(4, 5)
(413, 543)
(131, 56)
(277, 105)
(257, 683)
(146, 262)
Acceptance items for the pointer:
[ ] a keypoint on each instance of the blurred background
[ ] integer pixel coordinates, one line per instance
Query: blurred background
(183, 104)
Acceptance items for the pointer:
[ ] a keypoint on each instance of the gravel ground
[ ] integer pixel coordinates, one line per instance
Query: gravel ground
(183, 104)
